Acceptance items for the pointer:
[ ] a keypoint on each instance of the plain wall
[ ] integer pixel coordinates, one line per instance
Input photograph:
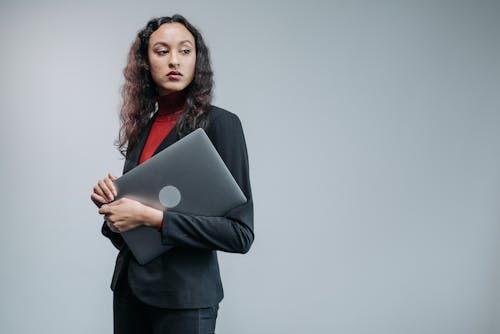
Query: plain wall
(373, 131)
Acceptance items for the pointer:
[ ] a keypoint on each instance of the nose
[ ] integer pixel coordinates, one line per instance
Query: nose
(173, 61)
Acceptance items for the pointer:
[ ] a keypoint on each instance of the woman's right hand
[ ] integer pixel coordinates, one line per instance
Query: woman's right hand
(104, 191)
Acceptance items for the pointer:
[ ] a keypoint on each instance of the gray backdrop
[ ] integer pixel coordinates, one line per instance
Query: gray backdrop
(373, 129)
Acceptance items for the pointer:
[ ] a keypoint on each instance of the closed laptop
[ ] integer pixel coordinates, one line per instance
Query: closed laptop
(188, 177)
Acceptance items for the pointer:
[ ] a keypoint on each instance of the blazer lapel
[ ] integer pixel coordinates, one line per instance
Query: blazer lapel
(171, 138)
(134, 155)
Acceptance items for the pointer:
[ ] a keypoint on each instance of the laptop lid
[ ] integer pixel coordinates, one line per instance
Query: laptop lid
(188, 177)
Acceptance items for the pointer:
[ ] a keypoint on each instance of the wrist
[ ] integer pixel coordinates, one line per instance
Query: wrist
(152, 217)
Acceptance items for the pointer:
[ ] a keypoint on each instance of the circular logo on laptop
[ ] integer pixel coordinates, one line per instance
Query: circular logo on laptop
(169, 196)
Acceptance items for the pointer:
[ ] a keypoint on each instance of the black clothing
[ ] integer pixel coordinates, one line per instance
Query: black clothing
(187, 276)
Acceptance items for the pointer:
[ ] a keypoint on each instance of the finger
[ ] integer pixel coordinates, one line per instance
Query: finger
(105, 209)
(105, 190)
(97, 199)
(102, 189)
(122, 227)
(117, 202)
(110, 185)
(97, 189)
(112, 177)
(94, 197)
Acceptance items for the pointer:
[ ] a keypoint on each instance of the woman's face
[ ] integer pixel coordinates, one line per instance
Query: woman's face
(172, 57)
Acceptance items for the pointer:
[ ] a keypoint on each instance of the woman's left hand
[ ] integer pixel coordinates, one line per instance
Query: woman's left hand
(124, 214)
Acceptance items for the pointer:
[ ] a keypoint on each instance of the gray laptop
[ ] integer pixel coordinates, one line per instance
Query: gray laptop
(189, 177)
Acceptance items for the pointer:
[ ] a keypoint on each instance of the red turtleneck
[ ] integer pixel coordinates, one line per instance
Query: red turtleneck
(170, 109)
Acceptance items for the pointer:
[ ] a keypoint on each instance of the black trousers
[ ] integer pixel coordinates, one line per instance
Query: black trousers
(131, 316)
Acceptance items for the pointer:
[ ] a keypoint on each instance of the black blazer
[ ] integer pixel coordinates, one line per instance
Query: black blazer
(187, 276)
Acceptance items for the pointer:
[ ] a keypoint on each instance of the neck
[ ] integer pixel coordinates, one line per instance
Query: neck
(172, 102)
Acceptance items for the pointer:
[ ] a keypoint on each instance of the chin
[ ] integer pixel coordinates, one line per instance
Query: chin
(176, 88)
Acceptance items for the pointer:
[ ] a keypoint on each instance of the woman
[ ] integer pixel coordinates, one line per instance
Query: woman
(166, 95)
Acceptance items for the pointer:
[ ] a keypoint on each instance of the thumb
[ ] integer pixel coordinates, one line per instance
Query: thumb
(103, 209)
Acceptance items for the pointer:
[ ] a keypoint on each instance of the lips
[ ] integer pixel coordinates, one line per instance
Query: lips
(174, 75)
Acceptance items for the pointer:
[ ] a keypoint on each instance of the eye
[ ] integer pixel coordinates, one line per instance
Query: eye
(186, 51)
(162, 52)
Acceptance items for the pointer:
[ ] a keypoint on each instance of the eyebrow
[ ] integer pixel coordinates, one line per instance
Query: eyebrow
(185, 41)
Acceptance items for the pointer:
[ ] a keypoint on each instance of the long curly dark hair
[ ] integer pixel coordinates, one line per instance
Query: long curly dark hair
(139, 92)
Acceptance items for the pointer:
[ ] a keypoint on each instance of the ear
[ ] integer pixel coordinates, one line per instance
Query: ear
(146, 66)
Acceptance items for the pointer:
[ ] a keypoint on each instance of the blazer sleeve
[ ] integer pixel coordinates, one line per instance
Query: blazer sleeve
(116, 238)
(234, 231)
